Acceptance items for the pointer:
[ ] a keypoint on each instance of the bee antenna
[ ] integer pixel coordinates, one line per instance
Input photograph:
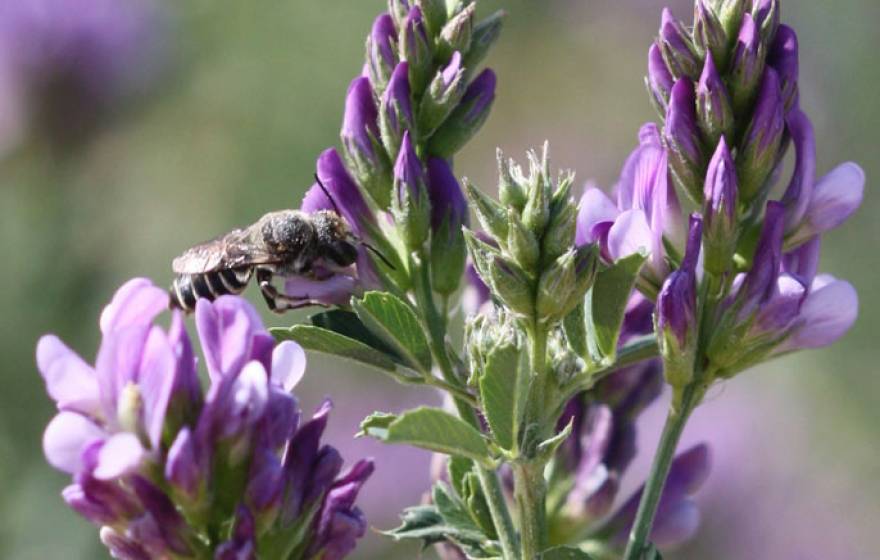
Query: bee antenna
(329, 196)
(379, 254)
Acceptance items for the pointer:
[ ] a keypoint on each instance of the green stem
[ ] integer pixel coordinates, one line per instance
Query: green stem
(531, 495)
(436, 323)
(675, 422)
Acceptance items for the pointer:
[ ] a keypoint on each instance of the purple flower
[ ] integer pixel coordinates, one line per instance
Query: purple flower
(747, 66)
(112, 433)
(827, 313)
(835, 198)
(783, 57)
(720, 210)
(677, 48)
(410, 203)
(396, 111)
(800, 190)
(381, 51)
(677, 515)
(760, 282)
(763, 138)
(682, 135)
(660, 80)
(448, 203)
(714, 107)
(467, 118)
(677, 302)
(362, 144)
(69, 63)
(345, 193)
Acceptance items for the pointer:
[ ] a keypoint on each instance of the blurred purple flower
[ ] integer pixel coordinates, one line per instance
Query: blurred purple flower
(113, 435)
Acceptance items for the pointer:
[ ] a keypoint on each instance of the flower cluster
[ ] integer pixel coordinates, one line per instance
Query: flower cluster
(728, 92)
(418, 101)
(65, 64)
(168, 470)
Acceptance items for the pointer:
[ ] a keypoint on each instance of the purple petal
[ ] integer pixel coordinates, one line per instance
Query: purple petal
(137, 302)
(836, 197)
(70, 381)
(827, 314)
(77, 500)
(118, 364)
(335, 290)
(226, 329)
(122, 547)
(171, 526)
(447, 198)
(121, 454)
(288, 364)
(676, 524)
(781, 309)
(803, 262)
(595, 207)
(630, 234)
(65, 439)
(345, 192)
(301, 454)
(182, 468)
(156, 381)
(800, 191)
(359, 127)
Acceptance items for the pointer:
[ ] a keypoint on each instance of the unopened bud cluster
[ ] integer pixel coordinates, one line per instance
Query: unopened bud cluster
(531, 263)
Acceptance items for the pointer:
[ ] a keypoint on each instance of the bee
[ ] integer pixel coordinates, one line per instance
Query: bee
(283, 243)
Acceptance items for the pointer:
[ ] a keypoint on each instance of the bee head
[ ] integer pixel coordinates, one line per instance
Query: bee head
(336, 241)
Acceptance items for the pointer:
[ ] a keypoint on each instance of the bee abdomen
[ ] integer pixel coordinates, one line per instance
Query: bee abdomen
(187, 289)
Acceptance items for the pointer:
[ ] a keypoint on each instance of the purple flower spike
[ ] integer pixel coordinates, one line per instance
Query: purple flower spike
(714, 108)
(396, 110)
(762, 141)
(677, 48)
(659, 80)
(683, 138)
(382, 51)
(747, 66)
(783, 57)
(720, 210)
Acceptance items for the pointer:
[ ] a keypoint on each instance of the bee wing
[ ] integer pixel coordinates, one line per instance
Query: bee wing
(232, 250)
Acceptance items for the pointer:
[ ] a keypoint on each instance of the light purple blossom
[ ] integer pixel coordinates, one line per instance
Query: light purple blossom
(114, 434)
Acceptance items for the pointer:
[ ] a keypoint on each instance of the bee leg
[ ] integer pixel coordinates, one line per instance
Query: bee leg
(277, 302)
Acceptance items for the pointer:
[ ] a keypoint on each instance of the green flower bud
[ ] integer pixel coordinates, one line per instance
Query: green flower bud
(730, 14)
(443, 95)
(536, 213)
(492, 216)
(435, 14)
(565, 283)
(511, 285)
(484, 36)
(467, 118)
(448, 256)
(481, 254)
(456, 34)
(416, 50)
(510, 192)
(521, 243)
(559, 236)
(709, 35)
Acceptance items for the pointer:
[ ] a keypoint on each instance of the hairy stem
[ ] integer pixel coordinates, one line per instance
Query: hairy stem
(436, 323)
(674, 426)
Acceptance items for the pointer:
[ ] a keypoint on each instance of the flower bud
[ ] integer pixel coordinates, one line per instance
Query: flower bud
(766, 16)
(536, 213)
(714, 109)
(449, 212)
(456, 34)
(415, 49)
(443, 95)
(559, 236)
(759, 150)
(486, 32)
(677, 48)
(758, 285)
(522, 243)
(683, 139)
(659, 80)
(361, 142)
(747, 66)
(510, 192)
(720, 211)
(676, 315)
(346, 195)
(511, 285)
(410, 205)
(491, 215)
(382, 52)
(730, 14)
(468, 117)
(434, 12)
(563, 285)
(783, 57)
(709, 35)
(399, 9)
(396, 110)
(800, 189)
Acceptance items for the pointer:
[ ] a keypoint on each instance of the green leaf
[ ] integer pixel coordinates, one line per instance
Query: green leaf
(606, 304)
(498, 389)
(376, 425)
(396, 324)
(321, 340)
(436, 430)
(575, 328)
(458, 468)
(421, 522)
(565, 553)
(348, 324)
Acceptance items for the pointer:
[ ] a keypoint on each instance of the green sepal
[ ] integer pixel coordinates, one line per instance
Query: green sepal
(512, 286)
(457, 33)
(485, 33)
(395, 322)
(521, 243)
(547, 448)
(491, 215)
(435, 14)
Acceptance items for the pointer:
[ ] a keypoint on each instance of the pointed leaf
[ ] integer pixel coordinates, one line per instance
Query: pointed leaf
(348, 324)
(396, 324)
(606, 304)
(376, 425)
(329, 342)
(498, 389)
(437, 430)
(547, 449)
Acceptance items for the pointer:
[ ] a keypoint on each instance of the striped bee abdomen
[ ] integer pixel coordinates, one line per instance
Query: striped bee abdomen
(188, 288)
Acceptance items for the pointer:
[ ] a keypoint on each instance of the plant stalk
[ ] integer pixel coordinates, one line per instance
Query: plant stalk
(531, 496)
(489, 482)
(672, 430)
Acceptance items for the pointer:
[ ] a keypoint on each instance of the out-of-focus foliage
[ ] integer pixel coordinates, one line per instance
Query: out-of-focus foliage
(254, 93)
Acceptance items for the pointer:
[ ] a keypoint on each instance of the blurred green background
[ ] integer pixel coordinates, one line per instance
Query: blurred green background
(252, 92)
